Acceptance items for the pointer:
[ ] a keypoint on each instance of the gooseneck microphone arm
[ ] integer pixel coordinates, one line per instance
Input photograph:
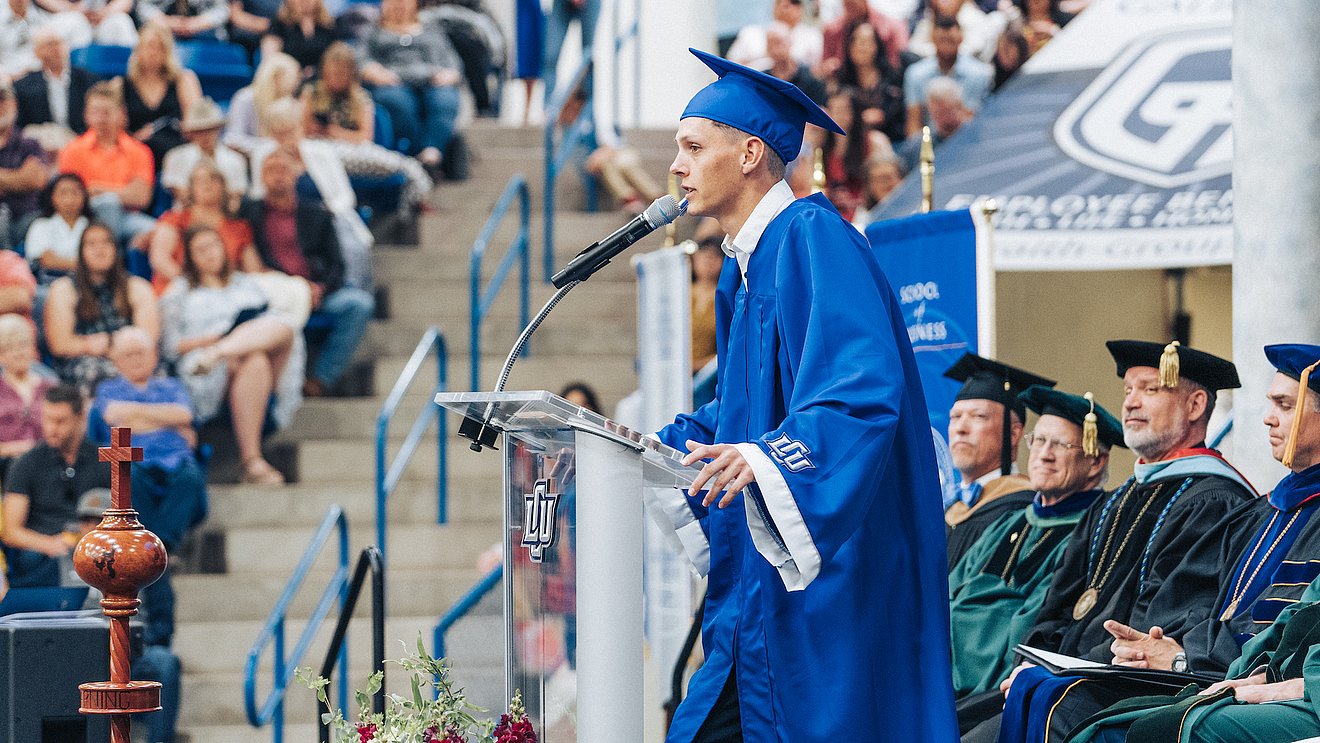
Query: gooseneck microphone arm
(595, 257)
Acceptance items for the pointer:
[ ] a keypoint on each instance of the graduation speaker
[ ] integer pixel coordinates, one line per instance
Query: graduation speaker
(43, 658)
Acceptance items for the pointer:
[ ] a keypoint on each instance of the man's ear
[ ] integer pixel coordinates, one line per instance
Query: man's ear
(1197, 403)
(753, 154)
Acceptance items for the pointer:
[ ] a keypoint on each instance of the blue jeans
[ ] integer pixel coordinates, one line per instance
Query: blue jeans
(351, 309)
(158, 664)
(125, 223)
(28, 569)
(170, 502)
(422, 114)
(556, 28)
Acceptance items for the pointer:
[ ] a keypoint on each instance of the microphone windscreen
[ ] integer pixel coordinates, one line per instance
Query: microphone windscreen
(663, 210)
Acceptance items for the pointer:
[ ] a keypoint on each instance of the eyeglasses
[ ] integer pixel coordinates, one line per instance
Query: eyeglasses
(1039, 442)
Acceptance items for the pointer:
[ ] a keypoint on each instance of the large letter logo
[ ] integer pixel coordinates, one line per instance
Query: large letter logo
(1160, 114)
(539, 512)
(790, 453)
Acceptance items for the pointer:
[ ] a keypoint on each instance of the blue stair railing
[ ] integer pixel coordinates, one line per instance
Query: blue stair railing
(489, 582)
(388, 473)
(480, 301)
(271, 709)
(560, 149)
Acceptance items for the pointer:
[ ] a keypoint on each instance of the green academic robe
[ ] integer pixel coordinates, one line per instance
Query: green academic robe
(996, 589)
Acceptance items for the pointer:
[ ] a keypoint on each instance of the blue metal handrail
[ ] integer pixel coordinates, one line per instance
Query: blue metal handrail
(461, 608)
(272, 709)
(389, 473)
(557, 154)
(480, 302)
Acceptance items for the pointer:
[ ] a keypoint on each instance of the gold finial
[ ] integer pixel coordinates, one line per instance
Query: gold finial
(1091, 430)
(1170, 366)
(1290, 448)
(927, 171)
(818, 172)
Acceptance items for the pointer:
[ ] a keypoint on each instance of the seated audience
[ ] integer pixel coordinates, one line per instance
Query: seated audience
(980, 28)
(845, 156)
(157, 90)
(24, 169)
(18, 287)
(186, 19)
(205, 204)
(201, 125)
(169, 490)
(324, 179)
(876, 85)
(784, 66)
(302, 29)
(884, 171)
(1011, 52)
(19, 21)
(805, 42)
(1042, 20)
(228, 346)
(893, 36)
(51, 99)
(338, 110)
(249, 22)
(971, 74)
(118, 169)
(53, 239)
(948, 111)
(83, 310)
(996, 589)
(414, 73)
(21, 389)
(298, 238)
(42, 491)
(276, 78)
(84, 22)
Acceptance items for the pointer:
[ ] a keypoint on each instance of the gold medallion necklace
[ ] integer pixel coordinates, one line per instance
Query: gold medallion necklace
(1240, 588)
(1104, 567)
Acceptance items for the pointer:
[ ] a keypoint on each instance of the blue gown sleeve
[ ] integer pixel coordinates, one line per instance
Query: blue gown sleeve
(843, 377)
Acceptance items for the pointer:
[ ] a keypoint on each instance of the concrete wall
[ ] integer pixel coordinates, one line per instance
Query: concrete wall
(1056, 323)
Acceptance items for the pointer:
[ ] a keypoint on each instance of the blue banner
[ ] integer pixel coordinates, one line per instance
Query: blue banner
(930, 261)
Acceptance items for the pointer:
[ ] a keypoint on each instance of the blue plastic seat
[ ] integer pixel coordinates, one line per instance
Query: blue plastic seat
(106, 61)
(381, 194)
(204, 52)
(222, 81)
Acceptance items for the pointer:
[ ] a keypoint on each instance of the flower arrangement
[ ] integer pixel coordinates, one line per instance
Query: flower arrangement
(442, 716)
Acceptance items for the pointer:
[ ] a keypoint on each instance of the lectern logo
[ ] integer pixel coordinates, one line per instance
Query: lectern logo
(1160, 113)
(539, 512)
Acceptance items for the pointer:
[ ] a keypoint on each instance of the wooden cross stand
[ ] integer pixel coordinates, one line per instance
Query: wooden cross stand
(118, 558)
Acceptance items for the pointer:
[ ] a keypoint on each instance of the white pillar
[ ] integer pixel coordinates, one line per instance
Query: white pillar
(1276, 219)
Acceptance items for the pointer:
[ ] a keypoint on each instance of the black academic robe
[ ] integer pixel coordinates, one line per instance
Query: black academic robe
(1184, 511)
(1000, 497)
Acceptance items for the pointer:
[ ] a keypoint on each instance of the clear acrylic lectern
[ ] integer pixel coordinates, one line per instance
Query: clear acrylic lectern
(573, 500)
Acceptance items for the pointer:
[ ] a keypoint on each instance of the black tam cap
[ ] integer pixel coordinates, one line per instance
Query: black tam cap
(1175, 362)
(1078, 409)
(986, 379)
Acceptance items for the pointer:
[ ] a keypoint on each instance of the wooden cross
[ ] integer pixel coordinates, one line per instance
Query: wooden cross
(120, 453)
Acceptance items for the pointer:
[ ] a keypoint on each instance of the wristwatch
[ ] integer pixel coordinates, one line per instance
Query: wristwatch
(1180, 664)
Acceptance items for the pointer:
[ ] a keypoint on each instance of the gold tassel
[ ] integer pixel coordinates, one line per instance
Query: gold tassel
(1091, 430)
(1290, 448)
(1169, 366)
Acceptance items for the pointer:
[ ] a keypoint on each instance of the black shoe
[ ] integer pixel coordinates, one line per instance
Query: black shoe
(456, 164)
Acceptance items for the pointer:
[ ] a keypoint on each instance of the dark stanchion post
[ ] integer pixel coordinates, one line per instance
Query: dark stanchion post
(119, 558)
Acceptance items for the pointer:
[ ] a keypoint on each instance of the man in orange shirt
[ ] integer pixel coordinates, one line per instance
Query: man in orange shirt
(118, 169)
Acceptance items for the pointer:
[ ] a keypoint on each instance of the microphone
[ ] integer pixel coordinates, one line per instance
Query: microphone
(598, 254)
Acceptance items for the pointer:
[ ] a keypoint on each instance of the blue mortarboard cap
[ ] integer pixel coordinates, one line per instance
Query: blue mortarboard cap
(1291, 359)
(762, 105)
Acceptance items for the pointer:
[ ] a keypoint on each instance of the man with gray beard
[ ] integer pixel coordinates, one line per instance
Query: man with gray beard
(1132, 538)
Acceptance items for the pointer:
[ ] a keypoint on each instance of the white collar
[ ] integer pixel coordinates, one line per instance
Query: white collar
(992, 475)
(744, 243)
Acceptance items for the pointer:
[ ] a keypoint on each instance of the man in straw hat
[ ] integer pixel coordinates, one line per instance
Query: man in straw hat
(827, 610)
(201, 124)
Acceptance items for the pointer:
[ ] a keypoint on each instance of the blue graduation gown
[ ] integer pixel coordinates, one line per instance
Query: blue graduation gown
(828, 588)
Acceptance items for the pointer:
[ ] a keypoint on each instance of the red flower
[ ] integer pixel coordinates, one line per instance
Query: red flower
(366, 732)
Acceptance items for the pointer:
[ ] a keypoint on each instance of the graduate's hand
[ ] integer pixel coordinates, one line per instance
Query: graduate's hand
(1137, 649)
(726, 471)
(1008, 682)
(1282, 691)
(1234, 683)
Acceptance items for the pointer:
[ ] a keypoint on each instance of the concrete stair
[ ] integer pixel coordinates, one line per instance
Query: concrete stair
(262, 532)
